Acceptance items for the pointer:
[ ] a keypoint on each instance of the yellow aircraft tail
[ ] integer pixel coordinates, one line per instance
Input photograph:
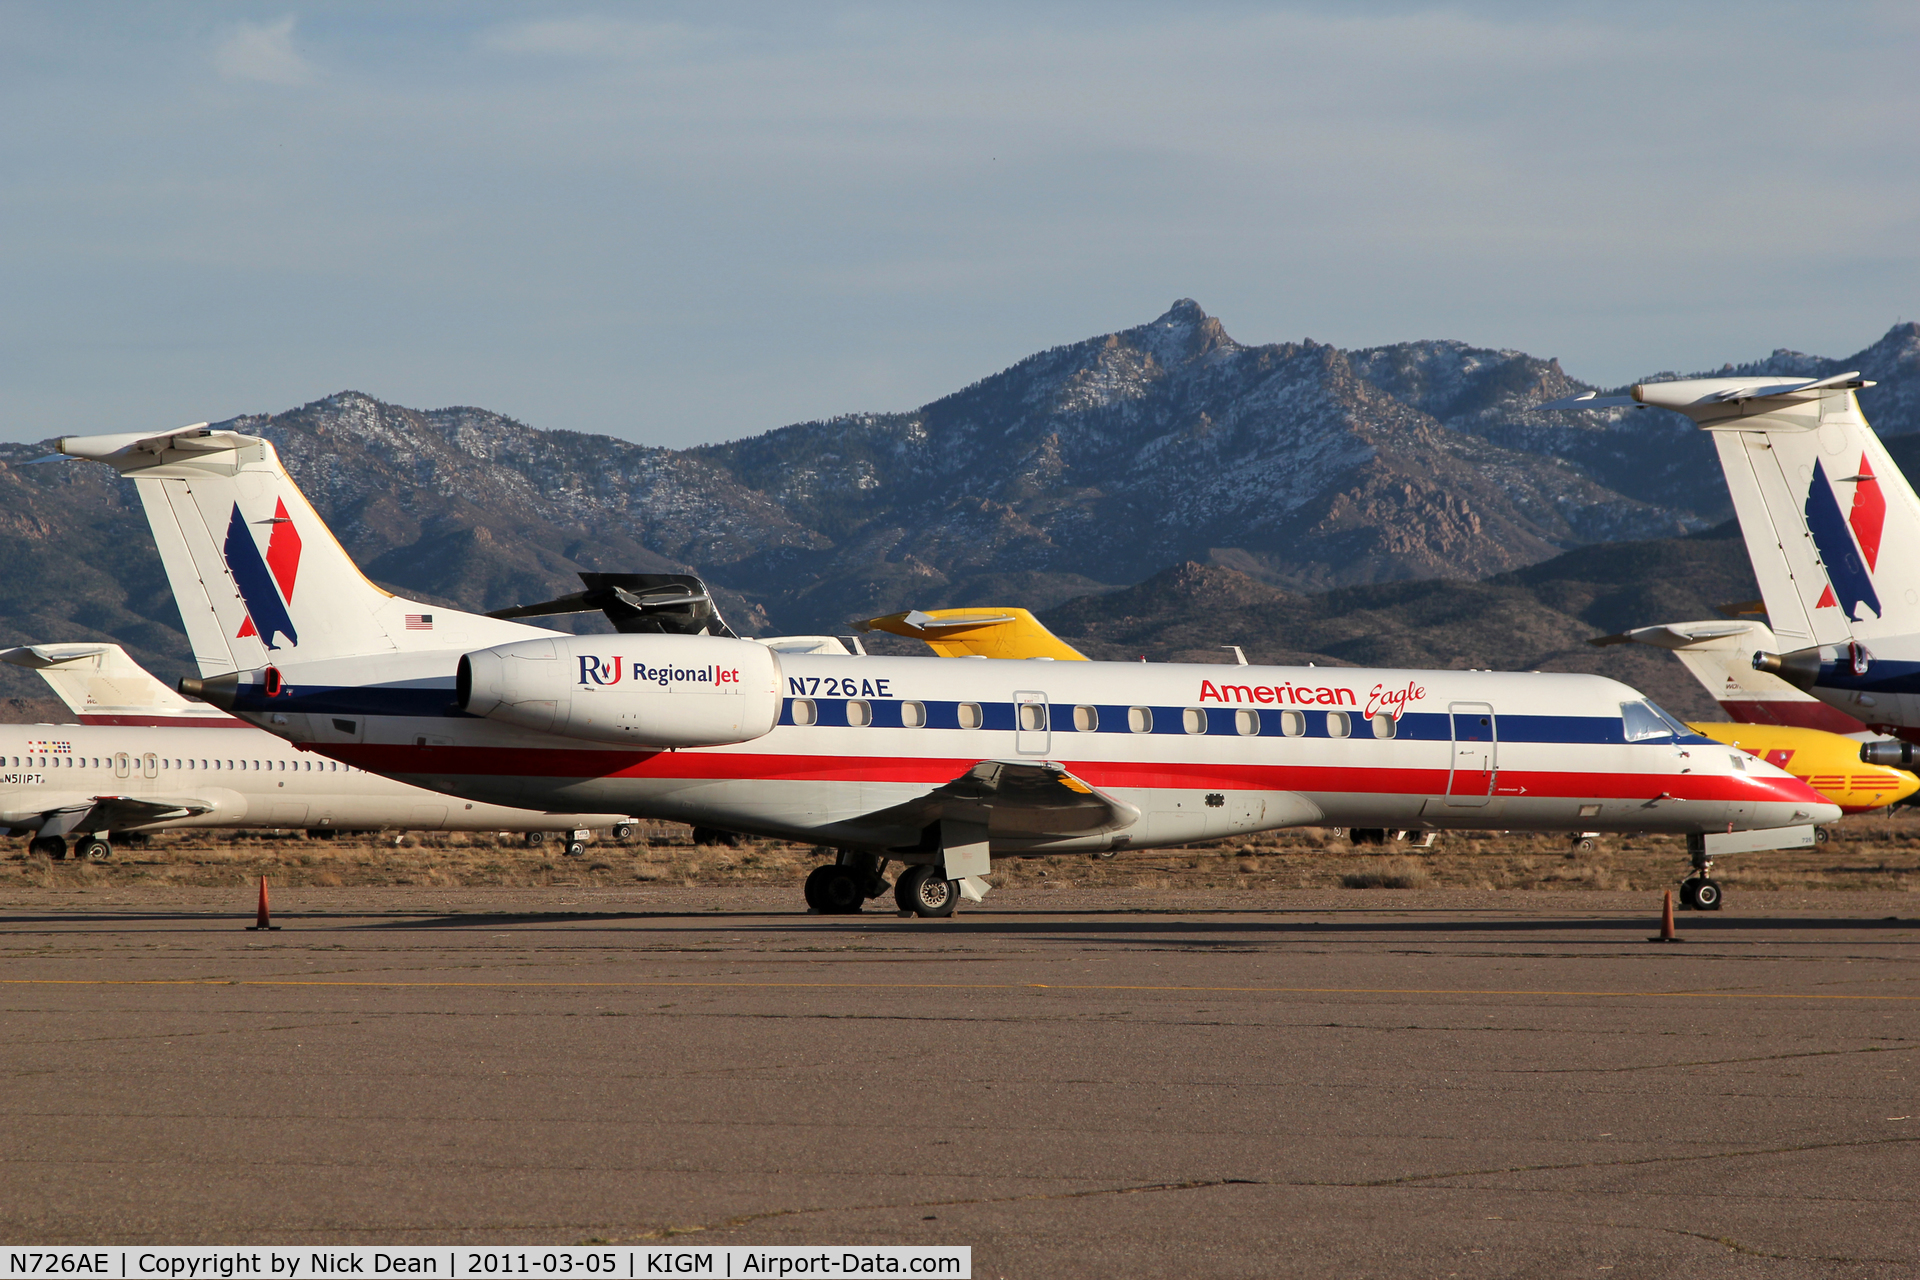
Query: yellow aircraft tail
(977, 633)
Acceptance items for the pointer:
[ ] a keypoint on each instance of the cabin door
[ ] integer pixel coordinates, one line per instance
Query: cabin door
(1032, 732)
(1476, 754)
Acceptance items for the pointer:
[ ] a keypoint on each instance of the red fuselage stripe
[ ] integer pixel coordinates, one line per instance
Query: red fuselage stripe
(716, 766)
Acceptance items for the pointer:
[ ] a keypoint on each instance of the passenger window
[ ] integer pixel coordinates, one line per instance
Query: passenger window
(859, 712)
(1643, 724)
(1339, 724)
(970, 717)
(1140, 719)
(1086, 719)
(803, 711)
(1193, 720)
(913, 715)
(1293, 723)
(1246, 722)
(1033, 715)
(1385, 726)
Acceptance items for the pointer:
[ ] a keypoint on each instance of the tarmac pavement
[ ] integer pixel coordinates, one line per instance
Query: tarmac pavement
(1135, 1084)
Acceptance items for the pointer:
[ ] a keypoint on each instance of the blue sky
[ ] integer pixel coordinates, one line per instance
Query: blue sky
(687, 223)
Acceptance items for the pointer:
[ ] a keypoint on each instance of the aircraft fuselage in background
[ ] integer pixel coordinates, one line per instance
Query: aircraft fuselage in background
(61, 779)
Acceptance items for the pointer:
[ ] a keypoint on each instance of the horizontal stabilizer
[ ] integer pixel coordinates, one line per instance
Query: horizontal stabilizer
(638, 603)
(1592, 400)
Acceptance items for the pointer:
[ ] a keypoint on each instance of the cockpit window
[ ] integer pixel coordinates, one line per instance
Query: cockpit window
(1679, 727)
(1644, 723)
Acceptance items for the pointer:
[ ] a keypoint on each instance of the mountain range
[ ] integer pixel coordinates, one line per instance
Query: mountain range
(1303, 470)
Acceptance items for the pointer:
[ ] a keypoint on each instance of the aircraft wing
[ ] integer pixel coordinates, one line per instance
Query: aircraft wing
(127, 811)
(1013, 798)
(123, 811)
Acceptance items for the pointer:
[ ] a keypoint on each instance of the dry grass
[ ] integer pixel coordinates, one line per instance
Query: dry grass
(1867, 853)
(1396, 873)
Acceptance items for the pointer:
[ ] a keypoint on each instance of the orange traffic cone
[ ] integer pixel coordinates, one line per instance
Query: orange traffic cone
(260, 922)
(1666, 921)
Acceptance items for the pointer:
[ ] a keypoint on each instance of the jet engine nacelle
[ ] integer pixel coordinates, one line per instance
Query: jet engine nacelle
(642, 690)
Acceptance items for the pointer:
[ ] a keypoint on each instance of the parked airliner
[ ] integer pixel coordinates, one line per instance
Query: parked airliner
(937, 764)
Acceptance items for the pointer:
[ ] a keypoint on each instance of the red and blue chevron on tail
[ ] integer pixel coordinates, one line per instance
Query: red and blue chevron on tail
(266, 583)
(1849, 545)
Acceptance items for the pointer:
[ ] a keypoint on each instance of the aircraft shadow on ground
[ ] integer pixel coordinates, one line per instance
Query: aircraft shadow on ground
(1088, 925)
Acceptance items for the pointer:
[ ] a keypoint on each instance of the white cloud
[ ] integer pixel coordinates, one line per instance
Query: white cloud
(262, 52)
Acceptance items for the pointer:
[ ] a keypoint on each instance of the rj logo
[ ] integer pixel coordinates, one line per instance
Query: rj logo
(592, 670)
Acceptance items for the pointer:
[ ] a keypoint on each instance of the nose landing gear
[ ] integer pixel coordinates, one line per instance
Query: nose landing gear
(1700, 891)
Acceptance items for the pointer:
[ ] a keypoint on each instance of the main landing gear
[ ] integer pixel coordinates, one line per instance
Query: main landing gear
(847, 884)
(925, 891)
(54, 847)
(843, 886)
(1700, 891)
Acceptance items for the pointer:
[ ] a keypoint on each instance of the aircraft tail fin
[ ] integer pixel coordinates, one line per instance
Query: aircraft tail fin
(977, 633)
(1831, 525)
(102, 685)
(258, 576)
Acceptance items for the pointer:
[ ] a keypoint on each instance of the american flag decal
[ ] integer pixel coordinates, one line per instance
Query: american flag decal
(419, 622)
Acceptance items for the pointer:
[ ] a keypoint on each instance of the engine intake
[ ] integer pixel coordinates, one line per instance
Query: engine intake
(637, 690)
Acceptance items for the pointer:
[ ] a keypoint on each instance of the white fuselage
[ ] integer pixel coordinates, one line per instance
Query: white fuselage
(238, 776)
(1199, 751)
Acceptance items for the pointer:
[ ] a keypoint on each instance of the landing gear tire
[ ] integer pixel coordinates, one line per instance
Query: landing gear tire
(1699, 893)
(1821, 835)
(49, 846)
(576, 848)
(93, 849)
(835, 890)
(623, 831)
(925, 892)
(535, 839)
(1367, 835)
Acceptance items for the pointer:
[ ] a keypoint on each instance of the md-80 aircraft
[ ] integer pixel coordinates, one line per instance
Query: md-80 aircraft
(144, 759)
(1833, 530)
(937, 764)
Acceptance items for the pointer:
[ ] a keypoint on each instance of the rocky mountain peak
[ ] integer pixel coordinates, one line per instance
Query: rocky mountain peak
(1183, 333)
